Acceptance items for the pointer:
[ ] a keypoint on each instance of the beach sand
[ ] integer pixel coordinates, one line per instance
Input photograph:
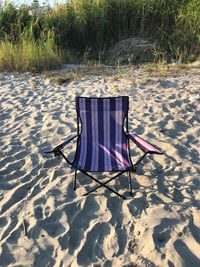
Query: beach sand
(43, 222)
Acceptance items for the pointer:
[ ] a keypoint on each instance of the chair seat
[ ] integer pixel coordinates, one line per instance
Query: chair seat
(99, 157)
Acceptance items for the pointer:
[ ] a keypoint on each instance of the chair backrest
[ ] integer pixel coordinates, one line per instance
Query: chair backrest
(102, 119)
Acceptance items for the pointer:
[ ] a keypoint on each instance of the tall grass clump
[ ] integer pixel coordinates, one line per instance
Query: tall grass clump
(28, 54)
(187, 31)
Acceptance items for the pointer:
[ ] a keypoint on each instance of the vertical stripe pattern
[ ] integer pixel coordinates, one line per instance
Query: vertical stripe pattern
(95, 136)
(118, 126)
(106, 130)
(83, 143)
(102, 146)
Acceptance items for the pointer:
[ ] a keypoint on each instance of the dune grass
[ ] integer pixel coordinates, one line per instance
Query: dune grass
(88, 28)
(30, 55)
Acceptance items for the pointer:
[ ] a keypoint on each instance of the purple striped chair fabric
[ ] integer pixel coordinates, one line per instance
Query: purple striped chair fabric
(102, 144)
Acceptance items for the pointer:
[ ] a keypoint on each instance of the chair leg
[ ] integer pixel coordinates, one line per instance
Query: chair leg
(130, 183)
(74, 187)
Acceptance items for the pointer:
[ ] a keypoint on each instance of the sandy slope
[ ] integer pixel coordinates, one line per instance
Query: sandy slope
(43, 222)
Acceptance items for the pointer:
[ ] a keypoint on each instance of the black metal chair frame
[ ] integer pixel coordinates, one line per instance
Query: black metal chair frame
(58, 151)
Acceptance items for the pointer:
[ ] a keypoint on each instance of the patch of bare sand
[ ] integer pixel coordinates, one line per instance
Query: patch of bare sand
(45, 223)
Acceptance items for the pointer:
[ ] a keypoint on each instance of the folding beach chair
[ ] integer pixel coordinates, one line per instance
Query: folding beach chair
(103, 140)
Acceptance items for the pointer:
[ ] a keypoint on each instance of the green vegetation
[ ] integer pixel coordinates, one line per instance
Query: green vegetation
(85, 29)
(28, 54)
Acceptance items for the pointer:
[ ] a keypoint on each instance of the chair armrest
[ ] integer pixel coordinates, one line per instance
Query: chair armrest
(56, 149)
(145, 146)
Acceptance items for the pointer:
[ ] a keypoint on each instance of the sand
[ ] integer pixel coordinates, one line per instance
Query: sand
(43, 222)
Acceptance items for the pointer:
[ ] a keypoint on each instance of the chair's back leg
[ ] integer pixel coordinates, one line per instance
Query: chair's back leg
(130, 183)
(78, 126)
(78, 132)
(127, 123)
(74, 187)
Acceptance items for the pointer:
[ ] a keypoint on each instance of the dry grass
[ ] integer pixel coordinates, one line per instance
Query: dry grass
(29, 55)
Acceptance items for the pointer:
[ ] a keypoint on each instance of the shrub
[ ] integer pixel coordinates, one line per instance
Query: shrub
(90, 27)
